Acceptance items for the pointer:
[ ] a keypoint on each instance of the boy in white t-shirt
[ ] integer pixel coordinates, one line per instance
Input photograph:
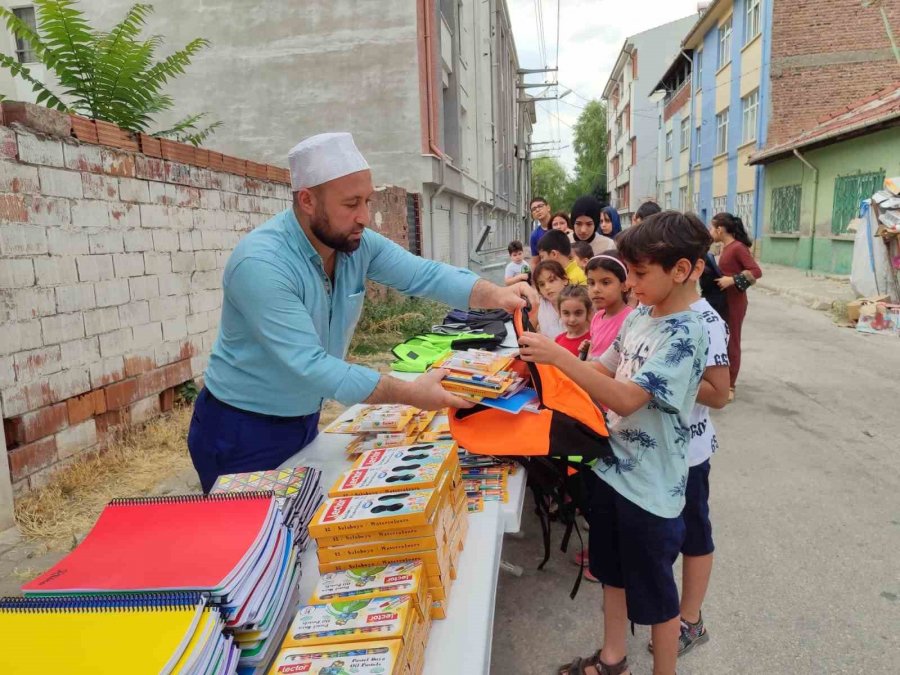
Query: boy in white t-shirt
(697, 549)
(517, 269)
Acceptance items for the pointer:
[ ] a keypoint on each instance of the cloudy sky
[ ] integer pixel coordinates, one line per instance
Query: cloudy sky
(591, 34)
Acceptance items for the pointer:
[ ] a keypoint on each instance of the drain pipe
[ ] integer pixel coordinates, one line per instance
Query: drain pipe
(812, 227)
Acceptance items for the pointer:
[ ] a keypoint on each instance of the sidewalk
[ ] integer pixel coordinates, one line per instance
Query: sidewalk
(813, 290)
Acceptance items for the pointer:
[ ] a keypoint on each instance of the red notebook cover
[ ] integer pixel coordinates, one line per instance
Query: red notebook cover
(165, 543)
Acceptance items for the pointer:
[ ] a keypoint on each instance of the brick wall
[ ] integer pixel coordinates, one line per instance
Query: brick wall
(110, 281)
(824, 56)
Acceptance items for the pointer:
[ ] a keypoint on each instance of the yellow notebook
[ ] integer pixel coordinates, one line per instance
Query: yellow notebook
(100, 635)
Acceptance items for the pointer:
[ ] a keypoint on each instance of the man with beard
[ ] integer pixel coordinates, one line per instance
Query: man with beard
(293, 293)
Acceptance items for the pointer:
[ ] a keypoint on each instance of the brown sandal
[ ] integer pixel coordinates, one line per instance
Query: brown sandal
(577, 667)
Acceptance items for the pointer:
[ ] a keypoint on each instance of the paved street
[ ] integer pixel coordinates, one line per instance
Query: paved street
(806, 514)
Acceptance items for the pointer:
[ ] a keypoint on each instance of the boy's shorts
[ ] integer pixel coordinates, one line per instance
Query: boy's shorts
(698, 529)
(634, 549)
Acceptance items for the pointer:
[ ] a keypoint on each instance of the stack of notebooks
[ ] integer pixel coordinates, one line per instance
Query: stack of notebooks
(383, 426)
(113, 634)
(297, 490)
(483, 376)
(485, 479)
(364, 620)
(394, 505)
(234, 548)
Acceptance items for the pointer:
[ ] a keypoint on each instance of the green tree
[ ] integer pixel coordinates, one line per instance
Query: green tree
(104, 75)
(589, 143)
(549, 180)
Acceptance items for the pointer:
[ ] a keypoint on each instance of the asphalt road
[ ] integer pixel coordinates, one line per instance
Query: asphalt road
(806, 517)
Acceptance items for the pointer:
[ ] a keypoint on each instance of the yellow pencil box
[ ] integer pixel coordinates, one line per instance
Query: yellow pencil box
(406, 577)
(353, 620)
(366, 513)
(369, 658)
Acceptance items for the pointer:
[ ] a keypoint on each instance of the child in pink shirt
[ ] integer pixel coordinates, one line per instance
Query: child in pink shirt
(606, 276)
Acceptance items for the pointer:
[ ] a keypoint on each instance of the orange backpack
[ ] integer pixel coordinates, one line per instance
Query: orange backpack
(556, 445)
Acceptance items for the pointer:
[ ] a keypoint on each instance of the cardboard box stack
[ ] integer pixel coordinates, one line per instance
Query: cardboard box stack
(389, 537)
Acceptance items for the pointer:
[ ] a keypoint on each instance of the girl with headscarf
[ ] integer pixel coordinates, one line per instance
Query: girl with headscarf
(609, 222)
(585, 221)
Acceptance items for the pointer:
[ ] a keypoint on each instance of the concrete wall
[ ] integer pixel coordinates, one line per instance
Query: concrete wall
(824, 252)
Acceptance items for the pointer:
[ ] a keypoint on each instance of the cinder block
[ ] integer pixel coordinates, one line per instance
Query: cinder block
(208, 220)
(149, 168)
(90, 213)
(76, 439)
(19, 336)
(75, 297)
(198, 323)
(36, 364)
(60, 182)
(117, 163)
(62, 328)
(115, 343)
(175, 329)
(17, 273)
(100, 187)
(183, 262)
(160, 193)
(164, 308)
(113, 292)
(16, 177)
(109, 241)
(205, 261)
(143, 288)
(134, 313)
(158, 263)
(128, 265)
(124, 215)
(188, 197)
(95, 267)
(165, 240)
(33, 303)
(51, 211)
(107, 371)
(154, 216)
(144, 410)
(186, 241)
(36, 424)
(22, 240)
(181, 218)
(210, 281)
(205, 301)
(147, 335)
(23, 397)
(210, 199)
(44, 152)
(68, 383)
(103, 320)
(29, 459)
(55, 270)
(82, 157)
(64, 242)
(7, 372)
(138, 241)
(9, 147)
(174, 284)
(80, 352)
(134, 190)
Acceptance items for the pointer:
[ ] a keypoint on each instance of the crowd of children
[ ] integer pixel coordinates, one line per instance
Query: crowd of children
(630, 327)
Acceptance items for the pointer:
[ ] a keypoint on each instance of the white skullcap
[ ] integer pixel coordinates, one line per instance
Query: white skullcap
(324, 157)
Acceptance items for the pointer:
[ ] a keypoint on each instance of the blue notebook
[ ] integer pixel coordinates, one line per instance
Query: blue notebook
(514, 404)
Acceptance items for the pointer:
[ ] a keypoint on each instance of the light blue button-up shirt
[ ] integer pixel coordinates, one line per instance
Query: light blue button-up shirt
(286, 327)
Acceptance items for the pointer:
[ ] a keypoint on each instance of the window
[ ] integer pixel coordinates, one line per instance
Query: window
(668, 145)
(725, 43)
(720, 204)
(699, 146)
(743, 208)
(849, 191)
(622, 197)
(668, 201)
(786, 209)
(683, 198)
(627, 117)
(685, 134)
(751, 25)
(722, 132)
(634, 65)
(695, 203)
(699, 70)
(24, 52)
(618, 127)
(615, 166)
(749, 107)
(634, 152)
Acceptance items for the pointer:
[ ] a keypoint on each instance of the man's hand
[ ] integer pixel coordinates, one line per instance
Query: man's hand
(425, 392)
(486, 295)
(538, 348)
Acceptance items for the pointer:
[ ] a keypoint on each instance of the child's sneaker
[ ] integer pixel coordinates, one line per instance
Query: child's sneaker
(692, 634)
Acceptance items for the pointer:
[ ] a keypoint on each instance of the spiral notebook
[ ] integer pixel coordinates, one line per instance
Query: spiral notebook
(109, 635)
(192, 542)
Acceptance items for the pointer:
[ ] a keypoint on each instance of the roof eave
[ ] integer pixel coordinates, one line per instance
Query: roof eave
(627, 48)
(707, 17)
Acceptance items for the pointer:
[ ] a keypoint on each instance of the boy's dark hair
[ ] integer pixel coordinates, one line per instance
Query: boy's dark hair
(582, 249)
(536, 199)
(549, 266)
(554, 240)
(515, 247)
(646, 210)
(664, 239)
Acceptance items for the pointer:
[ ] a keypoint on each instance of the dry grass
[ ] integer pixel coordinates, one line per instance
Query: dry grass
(136, 463)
